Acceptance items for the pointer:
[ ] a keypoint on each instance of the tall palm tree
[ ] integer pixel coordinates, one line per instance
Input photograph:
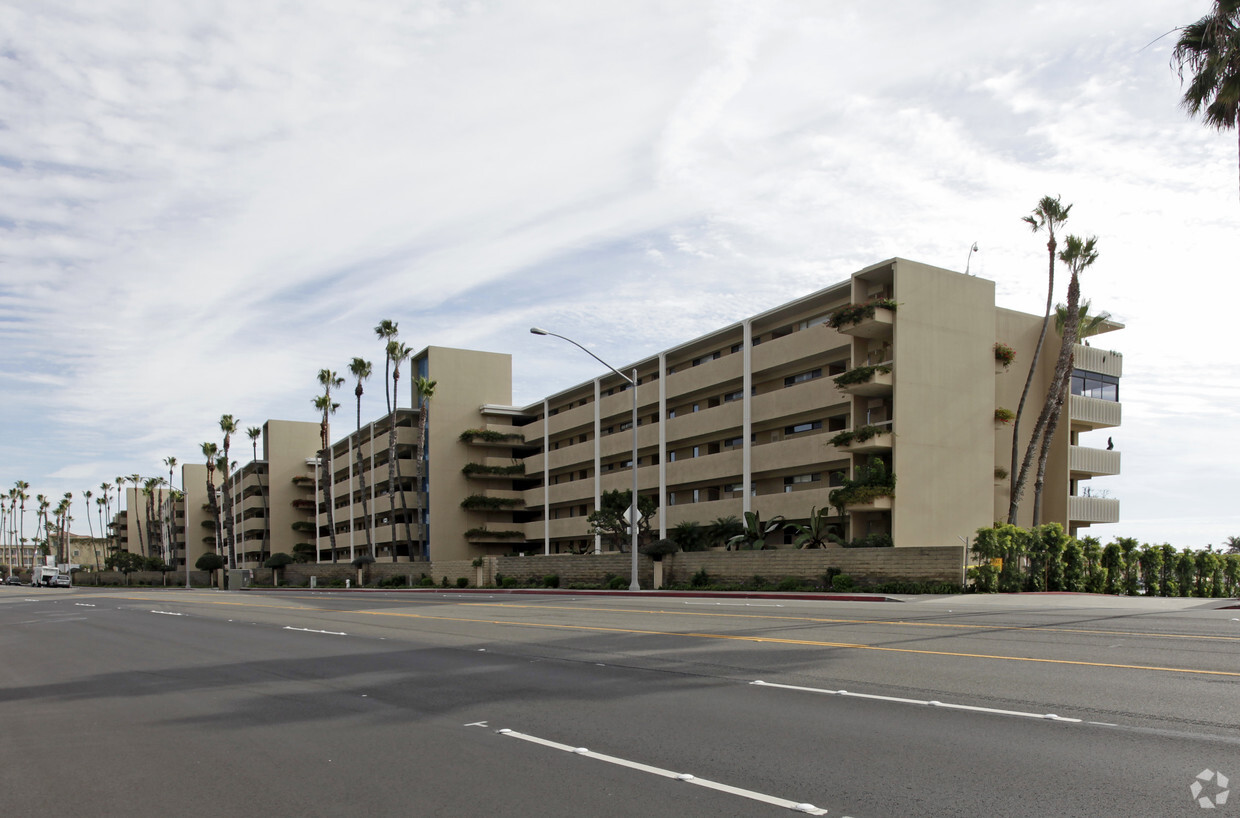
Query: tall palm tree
(120, 481)
(253, 434)
(386, 332)
(171, 544)
(1078, 254)
(101, 503)
(360, 368)
(150, 487)
(397, 353)
(22, 496)
(229, 425)
(329, 380)
(1048, 215)
(1210, 50)
(90, 525)
(209, 453)
(426, 391)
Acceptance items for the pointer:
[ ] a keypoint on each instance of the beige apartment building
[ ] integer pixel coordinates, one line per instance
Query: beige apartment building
(769, 415)
(748, 419)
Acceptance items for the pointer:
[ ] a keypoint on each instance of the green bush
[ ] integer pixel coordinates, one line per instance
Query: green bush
(617, 584)
(551, 581)
(427, 582)
(462, 582)
(701, 579)
(509, 582)
(842, 582)
(789, 584)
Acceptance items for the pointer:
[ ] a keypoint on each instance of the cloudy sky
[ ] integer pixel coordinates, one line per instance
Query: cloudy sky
(204, 204)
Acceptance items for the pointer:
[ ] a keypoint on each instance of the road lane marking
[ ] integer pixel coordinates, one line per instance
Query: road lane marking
(891, 622)
(83, 604)
(759, 639)
(924, 703)
(807, 809)
(168, 613)
(312, 630)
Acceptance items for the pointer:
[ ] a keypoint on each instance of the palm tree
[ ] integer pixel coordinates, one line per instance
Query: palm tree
(89, 525)
(119, 502)
(253, 434)
(329, 380)
(150, 490)
(170, 546)
(21, 486)
(1048, 215)
(101, 503)
(1210, 50)
(1078, 254)
(360, 368)
(209, 452)
(229, 425)
(386, 332)
(397, 354)
(426, 391)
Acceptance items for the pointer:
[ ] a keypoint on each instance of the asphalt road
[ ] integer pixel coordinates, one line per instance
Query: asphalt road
(171, 702)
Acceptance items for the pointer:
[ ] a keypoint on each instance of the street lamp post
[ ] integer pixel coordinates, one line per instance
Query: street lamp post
(634, 517)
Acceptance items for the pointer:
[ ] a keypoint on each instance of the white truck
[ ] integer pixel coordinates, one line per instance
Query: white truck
(49, 576)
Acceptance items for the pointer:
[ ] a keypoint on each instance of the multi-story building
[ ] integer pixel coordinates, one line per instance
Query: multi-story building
(893, 372)
(273, 497)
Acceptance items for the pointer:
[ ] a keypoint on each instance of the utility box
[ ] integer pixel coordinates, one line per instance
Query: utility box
(240, 578)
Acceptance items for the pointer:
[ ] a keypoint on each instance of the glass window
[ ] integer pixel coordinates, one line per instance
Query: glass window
(1095, 385)
(808, 426)
(803, 377)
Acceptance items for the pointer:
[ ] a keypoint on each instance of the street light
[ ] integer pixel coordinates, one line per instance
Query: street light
(634, 585)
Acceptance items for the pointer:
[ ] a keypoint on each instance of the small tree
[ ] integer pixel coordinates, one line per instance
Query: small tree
(275, 562)
(360, 564)
(608, 521)
(210, 562)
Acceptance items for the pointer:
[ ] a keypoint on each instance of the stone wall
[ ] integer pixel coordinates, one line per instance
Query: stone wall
(574, 569)
(865, 565)
(172, 579)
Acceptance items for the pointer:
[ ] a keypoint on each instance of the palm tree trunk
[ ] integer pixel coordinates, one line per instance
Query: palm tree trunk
(393, 474)
(230, 524)
(325, 458)
(1063, 370)
(1048, 438)
(424, 467)
(1017, 486)
(361, 477)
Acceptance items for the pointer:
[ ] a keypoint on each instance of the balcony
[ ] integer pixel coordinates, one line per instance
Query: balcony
(879, 325)
(1093, 510)
(1087, 462)
(1088, 414)
(880, 503)
(867, 439)
(869, 381)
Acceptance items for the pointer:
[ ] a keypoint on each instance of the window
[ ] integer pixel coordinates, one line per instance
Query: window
(704, 359)
(731, 396)
(1095, 385)
(734, 441)
(696, 451)
(807, 426)
(803, 377)
(734, 487)
(736, 348)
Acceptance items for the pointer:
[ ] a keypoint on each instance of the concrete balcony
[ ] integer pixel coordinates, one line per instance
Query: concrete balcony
(880, 383)
(883, 503)
(880, 326)
(1093, 510)
(1087, 462)
(881, 442)
(1088, 414)
(1102, 361)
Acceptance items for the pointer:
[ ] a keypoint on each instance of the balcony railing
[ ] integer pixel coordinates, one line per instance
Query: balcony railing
(1093, 509)
(1093, 413)
(1094, 462)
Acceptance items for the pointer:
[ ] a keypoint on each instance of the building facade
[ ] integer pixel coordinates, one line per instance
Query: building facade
(889, 384)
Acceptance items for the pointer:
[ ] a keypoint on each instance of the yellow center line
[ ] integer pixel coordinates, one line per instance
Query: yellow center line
(892, 622)
(732, 637)
(807, 642)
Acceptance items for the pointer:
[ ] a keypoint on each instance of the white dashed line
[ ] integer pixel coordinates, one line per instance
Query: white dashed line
(311, 630)
(944, 705)
(168, 613)
(798, 806)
